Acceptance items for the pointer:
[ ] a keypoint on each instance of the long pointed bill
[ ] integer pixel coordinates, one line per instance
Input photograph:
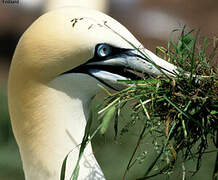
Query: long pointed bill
(134, 60)
(122, 67)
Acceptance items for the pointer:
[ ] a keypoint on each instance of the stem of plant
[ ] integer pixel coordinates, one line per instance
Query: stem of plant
(133, 154)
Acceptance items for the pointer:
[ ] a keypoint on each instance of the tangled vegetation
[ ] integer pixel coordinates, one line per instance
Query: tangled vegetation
(179, 113)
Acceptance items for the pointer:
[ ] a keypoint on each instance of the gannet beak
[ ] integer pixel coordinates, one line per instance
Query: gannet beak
(122, 65)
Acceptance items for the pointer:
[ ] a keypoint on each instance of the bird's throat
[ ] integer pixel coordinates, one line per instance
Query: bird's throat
(54, 120)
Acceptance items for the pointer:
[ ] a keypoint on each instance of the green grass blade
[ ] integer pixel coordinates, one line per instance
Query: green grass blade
(107, 118)
(63, 168)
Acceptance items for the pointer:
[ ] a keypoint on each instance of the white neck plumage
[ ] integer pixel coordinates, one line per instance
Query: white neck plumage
(61, 107)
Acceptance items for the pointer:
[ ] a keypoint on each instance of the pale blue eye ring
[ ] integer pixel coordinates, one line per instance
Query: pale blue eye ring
(103, 50)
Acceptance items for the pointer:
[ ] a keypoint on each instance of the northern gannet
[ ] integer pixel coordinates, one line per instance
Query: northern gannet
(56, 68)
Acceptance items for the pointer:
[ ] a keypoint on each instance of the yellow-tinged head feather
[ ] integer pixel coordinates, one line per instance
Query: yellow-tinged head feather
(63, 39)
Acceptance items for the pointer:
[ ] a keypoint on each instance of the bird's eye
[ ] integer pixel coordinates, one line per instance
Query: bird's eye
(103, 50)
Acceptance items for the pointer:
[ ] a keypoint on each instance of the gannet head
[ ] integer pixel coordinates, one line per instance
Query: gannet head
(77, 40)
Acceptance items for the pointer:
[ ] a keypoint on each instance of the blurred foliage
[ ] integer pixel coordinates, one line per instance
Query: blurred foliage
(5, 128)
(10, 163)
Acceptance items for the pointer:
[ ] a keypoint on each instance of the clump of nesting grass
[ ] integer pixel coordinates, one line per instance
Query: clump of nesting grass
(179, 113)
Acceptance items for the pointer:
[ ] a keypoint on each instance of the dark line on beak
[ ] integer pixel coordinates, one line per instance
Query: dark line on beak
(106, 84)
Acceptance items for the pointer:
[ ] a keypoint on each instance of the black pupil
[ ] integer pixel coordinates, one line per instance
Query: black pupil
(104, 49)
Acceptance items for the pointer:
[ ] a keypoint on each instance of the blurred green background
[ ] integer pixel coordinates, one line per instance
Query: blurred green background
(150, 21)
(10, 163)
